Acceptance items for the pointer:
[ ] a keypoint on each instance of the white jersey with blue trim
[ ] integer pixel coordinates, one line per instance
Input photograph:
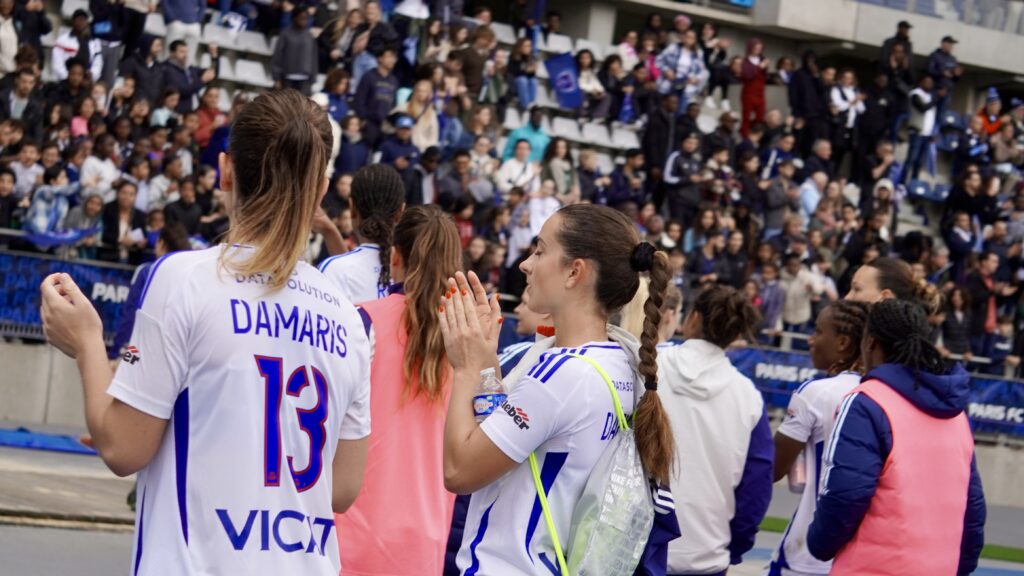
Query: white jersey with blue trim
(258, 387)
(561, 409)
(356, 273)
(809, 418)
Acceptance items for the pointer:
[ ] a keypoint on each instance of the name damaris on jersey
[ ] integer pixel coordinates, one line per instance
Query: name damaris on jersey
(284, 530)
(291, 322)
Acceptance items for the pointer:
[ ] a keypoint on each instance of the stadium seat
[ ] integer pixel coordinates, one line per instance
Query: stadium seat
(253, 43)
(224, 101)
(948, 141)
(544, 99)
(605, 163)
(597, 135)
(155, 25)
(252, 73)
(556, 44)
(68, 7)
(499, 146)
(50, 39)
(512, 119)
(542, 72)
(505, 33)
(623, 138)
(940, 192)
(566, 128)
(596, 49)
(951, 119)
(919, 189)
(226, 71)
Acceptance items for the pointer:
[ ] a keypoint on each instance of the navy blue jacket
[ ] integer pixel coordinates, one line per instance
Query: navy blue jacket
(860, 447)
(351, 156)
(393, 148)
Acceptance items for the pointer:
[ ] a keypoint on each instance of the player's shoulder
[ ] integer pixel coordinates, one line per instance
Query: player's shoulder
(827, 386)
(351, 258)
(171, 273)
(568, 364)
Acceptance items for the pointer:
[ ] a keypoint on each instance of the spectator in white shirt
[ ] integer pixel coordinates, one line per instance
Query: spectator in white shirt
(99, 172)
(799, 287)
(518, 171)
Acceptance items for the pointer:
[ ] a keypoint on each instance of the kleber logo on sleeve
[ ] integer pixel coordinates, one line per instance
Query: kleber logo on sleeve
(131, 355)
(518, 415)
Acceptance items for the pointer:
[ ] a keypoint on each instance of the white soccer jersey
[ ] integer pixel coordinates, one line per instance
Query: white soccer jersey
(561, 409)
(259, 387)
(809, 418)
(356, 273)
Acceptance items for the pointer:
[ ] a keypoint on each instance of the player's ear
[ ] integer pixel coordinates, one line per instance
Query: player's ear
(227, 176)
(396, 259)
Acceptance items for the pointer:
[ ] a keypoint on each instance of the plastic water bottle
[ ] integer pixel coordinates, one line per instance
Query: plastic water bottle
(798, 474)
(489, 395)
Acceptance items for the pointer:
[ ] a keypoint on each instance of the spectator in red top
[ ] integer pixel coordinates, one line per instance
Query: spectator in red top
(210, 115)
(991, 115)
(754, 76)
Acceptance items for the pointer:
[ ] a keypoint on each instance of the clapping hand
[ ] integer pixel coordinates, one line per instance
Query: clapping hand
(470, 323)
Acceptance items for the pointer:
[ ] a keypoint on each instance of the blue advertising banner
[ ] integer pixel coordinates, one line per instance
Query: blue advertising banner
(563, 78)
(996, 407)
(20, 276)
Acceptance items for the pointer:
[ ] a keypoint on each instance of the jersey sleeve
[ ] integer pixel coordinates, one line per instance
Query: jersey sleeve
(531, 414)
(800, 418)
(355, 425)
(154, 366)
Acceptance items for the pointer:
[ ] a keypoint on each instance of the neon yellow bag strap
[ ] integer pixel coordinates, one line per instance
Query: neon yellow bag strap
(541, 495)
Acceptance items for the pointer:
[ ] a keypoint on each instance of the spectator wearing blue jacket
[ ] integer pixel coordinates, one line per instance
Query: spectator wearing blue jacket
(398, 151)
(901, 488)
(375, 96)
(628, 181)
(354, 153)
(533, 133)
(188, 79)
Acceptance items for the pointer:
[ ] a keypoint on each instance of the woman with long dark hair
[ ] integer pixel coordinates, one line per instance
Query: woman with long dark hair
(399, 523)
(587, 265)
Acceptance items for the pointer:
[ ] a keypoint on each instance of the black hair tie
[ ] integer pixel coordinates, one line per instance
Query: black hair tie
(642, 259)
(651, 385)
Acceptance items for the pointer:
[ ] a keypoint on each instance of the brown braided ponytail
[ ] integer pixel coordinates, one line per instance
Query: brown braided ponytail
(608, 238)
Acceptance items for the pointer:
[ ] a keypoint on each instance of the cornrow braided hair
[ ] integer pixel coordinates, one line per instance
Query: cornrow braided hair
(849, 319)
(378, 195)
(901, 329)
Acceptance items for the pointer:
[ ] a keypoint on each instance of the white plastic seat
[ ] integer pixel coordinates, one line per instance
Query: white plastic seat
(504, 33)
(566, 128)
(68, 7)
(605, 163)
(626, 139)
(254, 43)
(512, 119)
(252, 73)
(597, 135)
(556, 44)
(155, 25)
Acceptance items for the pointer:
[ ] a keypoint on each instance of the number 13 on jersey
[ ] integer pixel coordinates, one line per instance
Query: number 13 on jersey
(311, 421)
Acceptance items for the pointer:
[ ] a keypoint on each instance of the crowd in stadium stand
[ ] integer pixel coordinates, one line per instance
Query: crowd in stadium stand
(783, 204)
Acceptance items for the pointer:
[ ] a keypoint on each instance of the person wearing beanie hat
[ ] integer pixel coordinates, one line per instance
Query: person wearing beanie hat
(991, 114)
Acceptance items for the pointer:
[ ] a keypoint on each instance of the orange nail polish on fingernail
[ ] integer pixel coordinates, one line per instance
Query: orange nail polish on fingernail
(464, 292)
(441, 308)
(500, 320)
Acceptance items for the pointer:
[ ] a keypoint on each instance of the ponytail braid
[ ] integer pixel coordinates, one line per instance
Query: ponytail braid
(654, 439)
(849, 319)
(378, 196)
(901, 329)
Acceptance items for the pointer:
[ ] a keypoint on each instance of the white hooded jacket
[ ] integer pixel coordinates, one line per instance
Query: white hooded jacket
(713, 410)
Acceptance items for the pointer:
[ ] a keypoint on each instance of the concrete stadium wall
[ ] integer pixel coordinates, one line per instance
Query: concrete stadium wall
(39, 385)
